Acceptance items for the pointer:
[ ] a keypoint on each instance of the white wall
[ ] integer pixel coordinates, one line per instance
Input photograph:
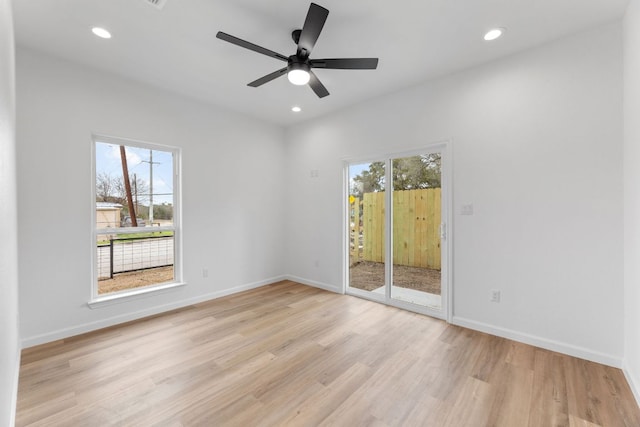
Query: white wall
(232, 192)
(9, 336)
(537, 148)
(632, 194)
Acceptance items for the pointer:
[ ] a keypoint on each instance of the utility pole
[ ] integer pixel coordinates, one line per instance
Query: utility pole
(151, 187)
(135, 190)
(151, 163)
(127, 186)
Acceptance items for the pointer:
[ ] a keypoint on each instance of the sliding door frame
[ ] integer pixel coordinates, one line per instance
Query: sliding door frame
(446, 310)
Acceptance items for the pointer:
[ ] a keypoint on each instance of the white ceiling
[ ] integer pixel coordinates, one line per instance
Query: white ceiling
(175, 48)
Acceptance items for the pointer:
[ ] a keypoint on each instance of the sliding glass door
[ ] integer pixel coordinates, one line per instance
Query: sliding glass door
(417, 221)
(367, 224)
(397, 240)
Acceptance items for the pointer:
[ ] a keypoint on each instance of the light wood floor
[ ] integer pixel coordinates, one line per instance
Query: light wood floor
(287, 354)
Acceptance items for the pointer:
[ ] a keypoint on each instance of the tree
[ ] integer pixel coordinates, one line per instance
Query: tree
(110, 188)
(417, 172)
(139, 191)
(105, 188)
(371, 181)
(163, 211)
(408, 173)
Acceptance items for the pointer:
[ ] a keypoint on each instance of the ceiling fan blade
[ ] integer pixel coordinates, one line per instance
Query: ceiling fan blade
(247, 45)
(346, 63)
(316, 17)
(268, 77)
(317, 86)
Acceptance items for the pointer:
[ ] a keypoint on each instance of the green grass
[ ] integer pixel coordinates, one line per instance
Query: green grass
(145, 234)
(166, 233)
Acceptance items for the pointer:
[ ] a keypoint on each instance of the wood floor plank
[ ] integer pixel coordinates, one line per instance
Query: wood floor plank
(512, 396)
(473, 405)
(549, 395)
(287, 354)
(317, 407)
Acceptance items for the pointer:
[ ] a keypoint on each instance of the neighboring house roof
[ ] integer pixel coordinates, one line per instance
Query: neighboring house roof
(106, 205)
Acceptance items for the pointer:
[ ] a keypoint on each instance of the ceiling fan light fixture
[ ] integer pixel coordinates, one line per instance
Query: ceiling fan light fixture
(299, 76)
(296, 109)
(494, 34)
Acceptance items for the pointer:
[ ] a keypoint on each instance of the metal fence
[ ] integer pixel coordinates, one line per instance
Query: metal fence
(121, 255)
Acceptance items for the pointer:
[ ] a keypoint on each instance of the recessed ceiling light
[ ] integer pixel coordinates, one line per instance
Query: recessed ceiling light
(494, 34)
(101, 32)
(296, 109)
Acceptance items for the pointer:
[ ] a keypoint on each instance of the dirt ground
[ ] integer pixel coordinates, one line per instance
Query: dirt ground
(135, 279)
(364, 275)
(368, 276)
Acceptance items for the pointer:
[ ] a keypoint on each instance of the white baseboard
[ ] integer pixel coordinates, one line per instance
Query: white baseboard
(580, 352)
(325, 286)
(571, 350)
(104, 323)
(634, 382)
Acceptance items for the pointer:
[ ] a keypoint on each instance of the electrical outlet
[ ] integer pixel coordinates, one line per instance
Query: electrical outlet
(494, 296)
(205, 272)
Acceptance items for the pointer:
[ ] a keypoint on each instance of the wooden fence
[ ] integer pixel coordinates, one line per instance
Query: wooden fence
(416, 228)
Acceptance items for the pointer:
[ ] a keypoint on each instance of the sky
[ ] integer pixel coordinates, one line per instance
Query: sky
(108, 161)
(356, 169)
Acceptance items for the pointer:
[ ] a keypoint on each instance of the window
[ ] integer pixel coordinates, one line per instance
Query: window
(137, 211)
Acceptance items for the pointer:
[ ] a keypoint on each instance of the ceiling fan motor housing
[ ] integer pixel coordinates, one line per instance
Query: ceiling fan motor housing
(297, 63)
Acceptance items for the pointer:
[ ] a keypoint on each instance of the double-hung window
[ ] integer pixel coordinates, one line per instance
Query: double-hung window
(137, 216)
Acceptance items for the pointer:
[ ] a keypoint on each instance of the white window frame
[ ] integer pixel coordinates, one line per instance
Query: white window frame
(99, 300)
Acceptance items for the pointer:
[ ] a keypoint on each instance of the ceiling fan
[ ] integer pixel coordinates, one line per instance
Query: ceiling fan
(299, 65)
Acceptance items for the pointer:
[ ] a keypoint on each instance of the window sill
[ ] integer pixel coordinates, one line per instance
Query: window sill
(103, 301)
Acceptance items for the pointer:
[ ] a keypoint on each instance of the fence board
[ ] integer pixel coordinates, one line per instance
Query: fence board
(416, 227)
(411, 232)
(378, 230)
(403, 216)
(355, 230)
(367, 226)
